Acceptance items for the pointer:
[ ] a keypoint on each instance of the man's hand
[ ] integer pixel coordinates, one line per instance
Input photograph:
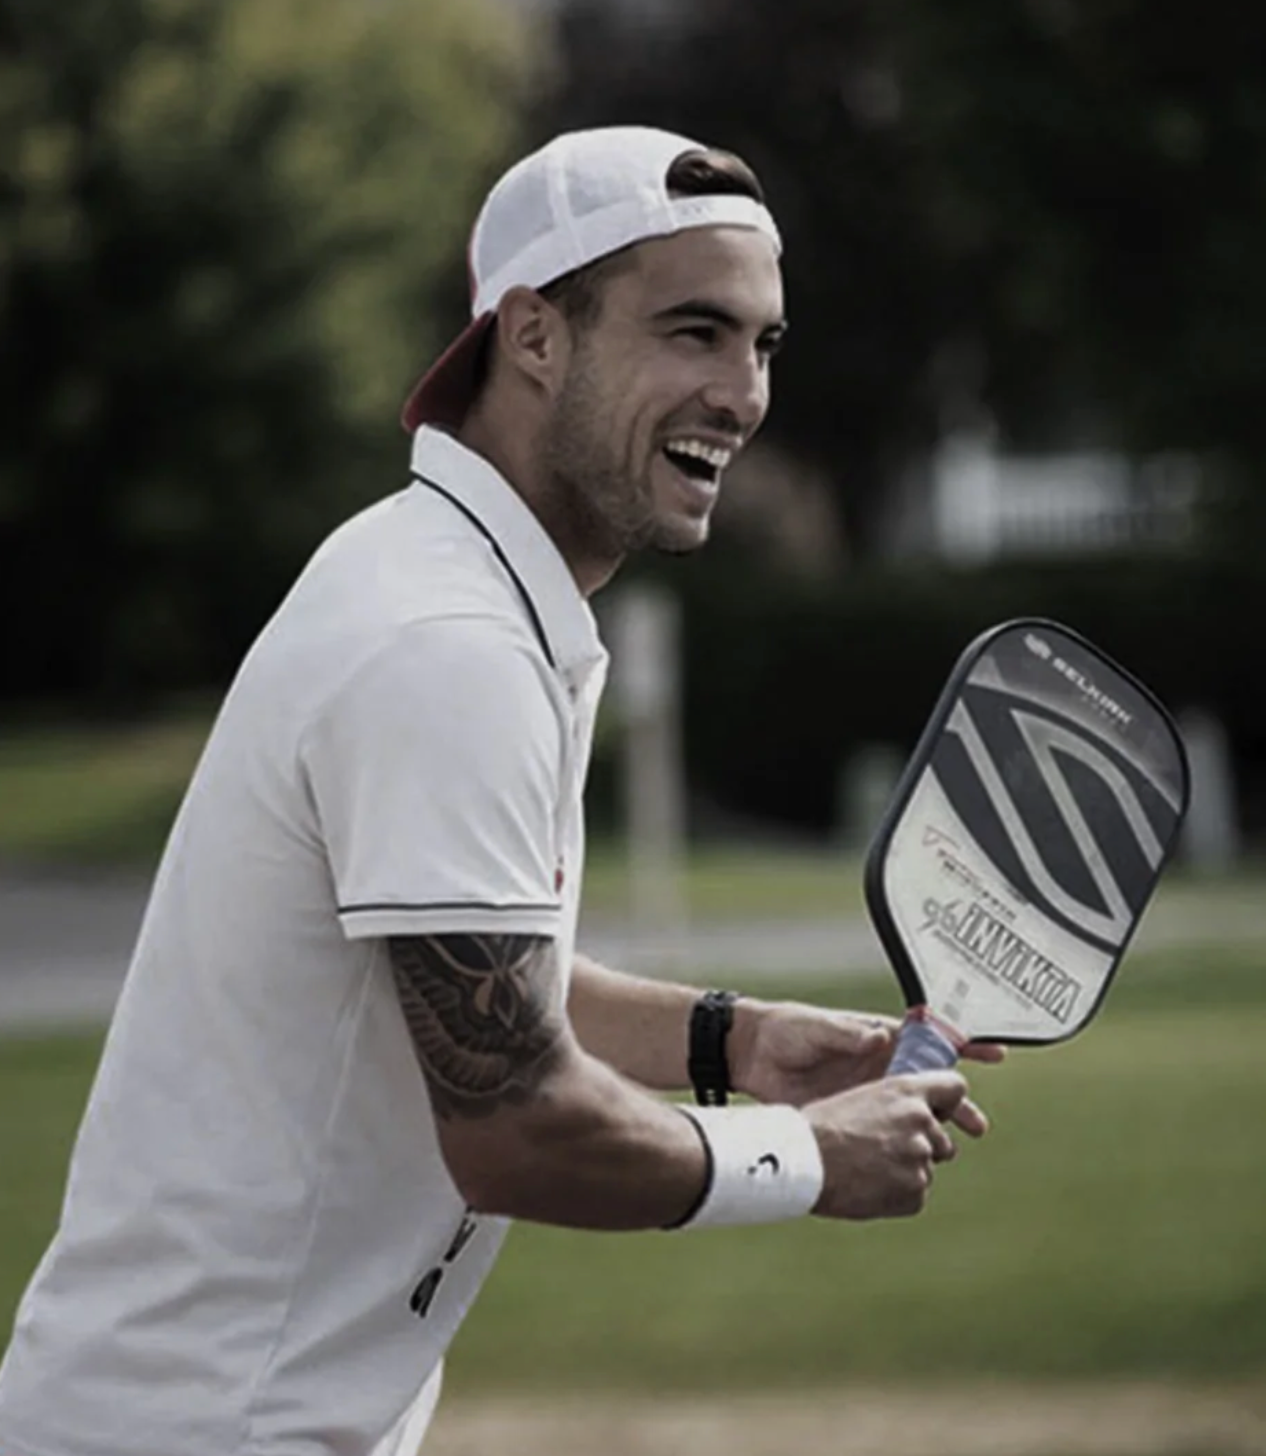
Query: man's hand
(880, 1143)
(784, 1051)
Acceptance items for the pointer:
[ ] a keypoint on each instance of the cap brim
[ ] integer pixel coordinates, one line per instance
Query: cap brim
(445, 392)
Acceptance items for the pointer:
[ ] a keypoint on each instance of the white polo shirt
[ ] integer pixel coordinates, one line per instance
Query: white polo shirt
(261, 1250)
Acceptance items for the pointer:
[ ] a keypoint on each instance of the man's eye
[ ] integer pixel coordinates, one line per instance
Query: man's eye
(701, 333)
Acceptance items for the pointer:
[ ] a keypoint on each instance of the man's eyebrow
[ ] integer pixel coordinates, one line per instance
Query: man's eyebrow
(697, 308)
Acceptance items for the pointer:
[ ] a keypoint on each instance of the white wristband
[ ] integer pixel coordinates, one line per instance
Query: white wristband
(764, 1165)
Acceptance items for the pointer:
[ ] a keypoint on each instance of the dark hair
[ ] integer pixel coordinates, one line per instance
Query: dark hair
(708, 173)
(713, 173)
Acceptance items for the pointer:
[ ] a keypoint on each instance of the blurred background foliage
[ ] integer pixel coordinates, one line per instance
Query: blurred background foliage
(219, 226)
(1048, 212)
(231, 234)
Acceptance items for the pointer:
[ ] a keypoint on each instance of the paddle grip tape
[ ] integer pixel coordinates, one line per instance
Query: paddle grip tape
(764, 1165)
(921, 1047)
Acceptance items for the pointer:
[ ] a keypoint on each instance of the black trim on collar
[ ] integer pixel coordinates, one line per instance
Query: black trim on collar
(499, 552)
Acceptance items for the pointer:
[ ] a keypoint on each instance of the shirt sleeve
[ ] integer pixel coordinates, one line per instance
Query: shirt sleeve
(436, 772)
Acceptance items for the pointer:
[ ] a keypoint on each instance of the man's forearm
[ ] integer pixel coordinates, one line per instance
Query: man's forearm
(640, 1027)
(529, 1124)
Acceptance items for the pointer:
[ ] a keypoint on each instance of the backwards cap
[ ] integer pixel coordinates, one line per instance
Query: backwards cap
(582, 196)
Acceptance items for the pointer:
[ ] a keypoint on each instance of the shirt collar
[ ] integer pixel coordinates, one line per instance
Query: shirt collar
(498, 511)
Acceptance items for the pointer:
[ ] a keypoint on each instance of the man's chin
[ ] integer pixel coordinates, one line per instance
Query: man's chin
(681, 537)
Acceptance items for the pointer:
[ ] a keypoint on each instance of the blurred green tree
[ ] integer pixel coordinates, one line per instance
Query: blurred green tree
(1099, 174)
(220, 228)
(1046, 212)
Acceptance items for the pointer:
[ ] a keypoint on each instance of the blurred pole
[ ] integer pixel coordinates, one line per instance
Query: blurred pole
(646, 676)
(866, 784)
(1211, 839)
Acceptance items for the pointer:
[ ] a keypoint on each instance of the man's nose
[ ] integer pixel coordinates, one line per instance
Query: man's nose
(741, 389)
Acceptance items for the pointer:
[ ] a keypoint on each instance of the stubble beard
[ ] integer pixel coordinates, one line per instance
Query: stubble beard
(600, 509)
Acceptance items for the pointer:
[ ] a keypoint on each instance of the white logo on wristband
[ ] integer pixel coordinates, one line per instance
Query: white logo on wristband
(765, 1165)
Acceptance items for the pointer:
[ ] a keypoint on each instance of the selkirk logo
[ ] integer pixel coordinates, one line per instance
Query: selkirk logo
(1107, 705)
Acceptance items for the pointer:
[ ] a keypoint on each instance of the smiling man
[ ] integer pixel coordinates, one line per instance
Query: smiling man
(356, 1038)
(619, 389)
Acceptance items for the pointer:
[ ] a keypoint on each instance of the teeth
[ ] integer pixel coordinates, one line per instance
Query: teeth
(710, 454)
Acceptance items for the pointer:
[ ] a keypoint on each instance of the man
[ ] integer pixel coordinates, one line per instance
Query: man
(355, 1038)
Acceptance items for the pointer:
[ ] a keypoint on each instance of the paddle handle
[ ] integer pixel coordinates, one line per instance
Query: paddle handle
(921, 1047)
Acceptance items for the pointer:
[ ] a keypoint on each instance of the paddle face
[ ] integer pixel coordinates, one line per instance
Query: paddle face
(1026, 836)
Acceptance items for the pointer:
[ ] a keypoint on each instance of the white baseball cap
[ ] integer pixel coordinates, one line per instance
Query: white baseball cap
(582, 196)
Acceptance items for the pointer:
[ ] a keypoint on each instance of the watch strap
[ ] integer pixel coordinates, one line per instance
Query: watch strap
(708, 1063)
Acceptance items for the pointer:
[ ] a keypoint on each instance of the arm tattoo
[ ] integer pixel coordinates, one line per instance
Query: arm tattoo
(485, 1015)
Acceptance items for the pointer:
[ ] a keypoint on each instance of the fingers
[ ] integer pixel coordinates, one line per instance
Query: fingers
(986, 1052)
(928, 1144)
(983, 1051)
(946, 1097)
(872, 1019)
(866, 1034)
(942, 1091)
(883, 1142)
(934, 1146)
(944, 1148)
(968, 1118)
(912, 1198)
(863, 1030)
(926, 1150)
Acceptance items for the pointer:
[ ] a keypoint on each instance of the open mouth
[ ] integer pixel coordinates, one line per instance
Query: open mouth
(698, 460)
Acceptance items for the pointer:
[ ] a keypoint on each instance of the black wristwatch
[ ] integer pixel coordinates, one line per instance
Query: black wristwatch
(710, 1020)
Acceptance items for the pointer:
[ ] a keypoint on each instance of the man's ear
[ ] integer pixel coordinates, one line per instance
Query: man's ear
(533, 338)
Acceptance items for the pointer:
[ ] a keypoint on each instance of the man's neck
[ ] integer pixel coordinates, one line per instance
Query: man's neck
(512, 451)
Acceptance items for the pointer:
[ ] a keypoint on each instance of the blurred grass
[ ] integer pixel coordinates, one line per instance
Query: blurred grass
(43, 1085)
(724, 880)
(1110, 1226)
(94, 795)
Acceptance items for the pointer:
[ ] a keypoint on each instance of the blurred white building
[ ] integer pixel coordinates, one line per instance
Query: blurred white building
(971, 503)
